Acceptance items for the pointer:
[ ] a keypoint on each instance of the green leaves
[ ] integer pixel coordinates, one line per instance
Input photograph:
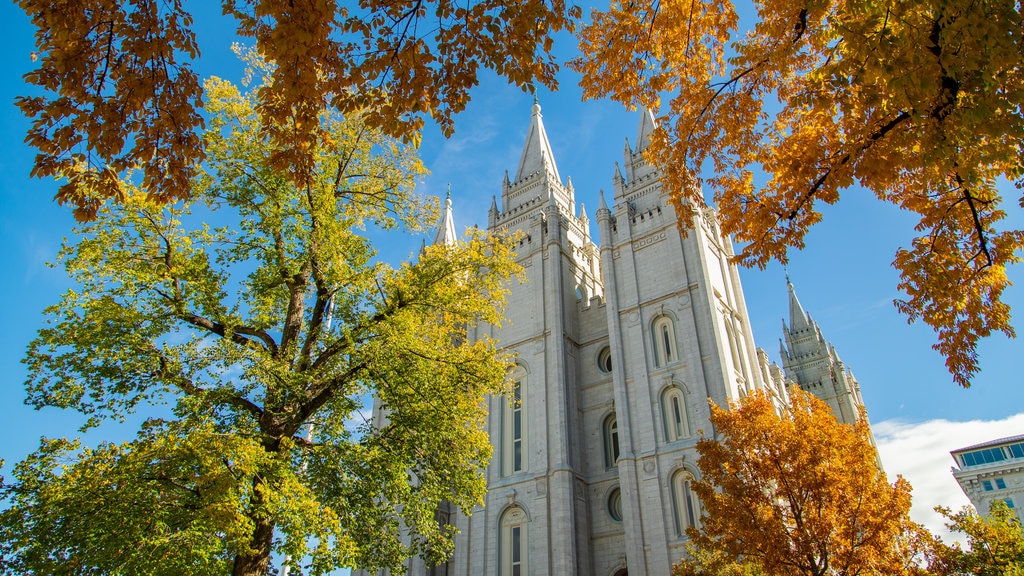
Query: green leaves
(277, 319)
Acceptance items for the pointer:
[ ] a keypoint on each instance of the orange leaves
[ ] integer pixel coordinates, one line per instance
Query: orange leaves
(915, 101)
(122, 95)
(793, 491)
(120, 98)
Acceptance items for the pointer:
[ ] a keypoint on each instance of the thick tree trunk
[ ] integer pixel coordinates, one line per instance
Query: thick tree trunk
(258, 562)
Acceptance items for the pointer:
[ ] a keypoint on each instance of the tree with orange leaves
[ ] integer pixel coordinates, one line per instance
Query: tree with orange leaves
(919, 102)
(788, 490)
(119, 92)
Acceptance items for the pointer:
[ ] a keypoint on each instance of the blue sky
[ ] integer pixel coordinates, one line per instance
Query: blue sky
(843, 277)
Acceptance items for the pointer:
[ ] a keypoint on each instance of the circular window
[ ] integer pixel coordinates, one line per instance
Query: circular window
(615, 504)
(604, 360)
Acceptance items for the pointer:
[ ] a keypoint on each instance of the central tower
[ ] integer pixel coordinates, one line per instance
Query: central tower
(617, 348)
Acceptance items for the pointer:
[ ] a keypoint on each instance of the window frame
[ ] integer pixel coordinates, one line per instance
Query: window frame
(513, 551)
(614, 502)
(675, 419)
(604, 360)
(685, 505)
(663, 336)
(610, 433)
(513, 430)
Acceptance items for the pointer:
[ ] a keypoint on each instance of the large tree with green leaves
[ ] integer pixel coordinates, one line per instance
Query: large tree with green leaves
(244, 319)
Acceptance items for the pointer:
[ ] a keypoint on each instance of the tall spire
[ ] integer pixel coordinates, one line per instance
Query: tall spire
(446, 224)
(797, 316)
(643, 133)
(537, 156)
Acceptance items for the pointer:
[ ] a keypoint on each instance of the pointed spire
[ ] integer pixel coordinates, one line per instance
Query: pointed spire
(643, 133)
(798, 319)
(446, 223)
(494, 204)
(583, 212)
(537, 156)
(601, 204)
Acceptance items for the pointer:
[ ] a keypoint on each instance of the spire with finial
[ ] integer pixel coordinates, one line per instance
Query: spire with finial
(798, 319)
(446, 223)
(537, 155)
(643, 133)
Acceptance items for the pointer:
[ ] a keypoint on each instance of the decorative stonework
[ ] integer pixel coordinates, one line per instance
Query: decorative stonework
(648, 241)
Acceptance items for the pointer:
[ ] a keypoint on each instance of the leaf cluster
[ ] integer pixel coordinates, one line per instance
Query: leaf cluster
(918, 102)
(789, 490)
(995, 543)
(119, 92)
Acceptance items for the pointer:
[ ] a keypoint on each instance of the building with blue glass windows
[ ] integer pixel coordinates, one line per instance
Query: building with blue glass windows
(992, 471)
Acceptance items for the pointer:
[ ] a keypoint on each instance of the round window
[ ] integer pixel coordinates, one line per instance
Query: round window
(615, 504)
(604, 360)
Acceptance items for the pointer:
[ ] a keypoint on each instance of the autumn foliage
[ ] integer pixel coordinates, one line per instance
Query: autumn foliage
(788, 490)
(919, 102)
(119, 92)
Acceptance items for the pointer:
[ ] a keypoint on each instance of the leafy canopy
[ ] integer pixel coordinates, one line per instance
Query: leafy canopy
(788, 490)
(920, 102)
(119, 92)
(257, 343)
(995, 543)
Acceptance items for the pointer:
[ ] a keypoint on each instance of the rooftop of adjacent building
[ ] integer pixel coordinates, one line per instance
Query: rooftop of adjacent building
(993, 451)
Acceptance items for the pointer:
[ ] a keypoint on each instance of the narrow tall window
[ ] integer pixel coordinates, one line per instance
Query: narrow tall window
(687, 509)
(673, 408)
(611, 441)
(513, 543)
(663, 335)
(512, 433)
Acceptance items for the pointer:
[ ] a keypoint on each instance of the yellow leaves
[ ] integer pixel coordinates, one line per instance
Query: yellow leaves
(910, 100)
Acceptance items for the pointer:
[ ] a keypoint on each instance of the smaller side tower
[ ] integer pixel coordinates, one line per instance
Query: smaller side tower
(813, 363)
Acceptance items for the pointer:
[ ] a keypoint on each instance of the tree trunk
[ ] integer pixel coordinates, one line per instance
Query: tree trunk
(257, 561)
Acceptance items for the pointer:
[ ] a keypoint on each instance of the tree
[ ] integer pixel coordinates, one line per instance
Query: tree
(701, 562)
(922, 103)
(995, 543)
(119, 92)
(261, 339)
(788, 490)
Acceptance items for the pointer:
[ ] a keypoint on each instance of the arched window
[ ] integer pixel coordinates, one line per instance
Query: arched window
(512, 548)
(513, 453)
(611, 441)
(663, 334)
(673, 411)
(684, 500)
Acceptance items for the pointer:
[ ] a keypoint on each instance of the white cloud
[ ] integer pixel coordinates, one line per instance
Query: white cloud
(919, 451)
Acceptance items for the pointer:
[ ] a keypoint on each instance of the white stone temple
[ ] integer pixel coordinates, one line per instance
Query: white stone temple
(619, 343)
